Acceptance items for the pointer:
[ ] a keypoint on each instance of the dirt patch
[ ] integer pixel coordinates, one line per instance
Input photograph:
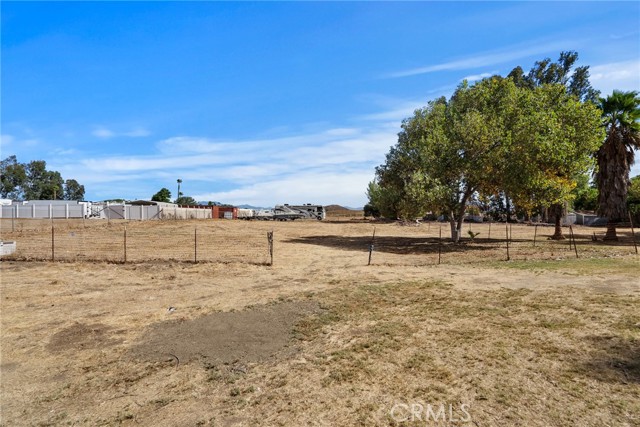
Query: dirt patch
(251, 335)
(81, 336)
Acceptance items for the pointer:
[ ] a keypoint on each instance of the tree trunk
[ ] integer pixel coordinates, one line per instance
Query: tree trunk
(557, 211)
(611, 231)
(455, 232)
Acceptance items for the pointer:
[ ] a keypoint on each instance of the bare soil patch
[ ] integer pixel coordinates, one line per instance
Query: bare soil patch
(255, 334)
(81, 336)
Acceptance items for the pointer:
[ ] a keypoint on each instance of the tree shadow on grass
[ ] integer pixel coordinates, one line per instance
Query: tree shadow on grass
(616, 359)
(400, 245)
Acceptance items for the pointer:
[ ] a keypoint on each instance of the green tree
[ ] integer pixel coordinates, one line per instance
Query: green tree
(585, 194)
(42, 184)
(492, 137)
(164, 195)
(575, 80)
(12, 178)
(621, 117)
(576, 84)
(73, 190)
(552, 141)
(186, 201)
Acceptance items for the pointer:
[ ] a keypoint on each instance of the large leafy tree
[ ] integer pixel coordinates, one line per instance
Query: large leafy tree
(490, 137)
(42, 184)
(575, 81)
(553, 138)
(186, 201)
(12, 177)
(621, 116)
(164, 195)
(73, 190)
(33, 181)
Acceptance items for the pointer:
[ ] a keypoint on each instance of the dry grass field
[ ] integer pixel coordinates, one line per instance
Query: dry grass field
(320, 337)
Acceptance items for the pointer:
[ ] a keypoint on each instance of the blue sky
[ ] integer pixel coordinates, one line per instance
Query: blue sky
(269, 102)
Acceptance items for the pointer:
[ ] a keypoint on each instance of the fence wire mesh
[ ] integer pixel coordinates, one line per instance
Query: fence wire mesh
(430, 243)
(133, 241)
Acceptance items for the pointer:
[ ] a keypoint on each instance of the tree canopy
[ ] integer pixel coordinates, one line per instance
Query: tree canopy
(33, 181)
(163, 195)
(529, 141)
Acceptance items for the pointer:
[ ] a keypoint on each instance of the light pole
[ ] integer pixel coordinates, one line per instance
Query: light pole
(179, 182)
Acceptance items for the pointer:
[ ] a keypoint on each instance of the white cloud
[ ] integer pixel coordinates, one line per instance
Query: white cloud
(475, 77)
(9, 141)
(137, 132)
(6, 141)
(624, 75)
(331, 165)
(486, 59)
(102, 132)
(105, 133)
(313, 187)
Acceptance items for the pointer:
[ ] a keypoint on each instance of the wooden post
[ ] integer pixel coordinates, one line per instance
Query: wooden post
(53, 243)
(506, 226)
(489, 236)
(371, 245)
(439, 245)
(572, 237)
(125, 244)
(270, 243)
(535, 234)
(195, 245)
(633, 234)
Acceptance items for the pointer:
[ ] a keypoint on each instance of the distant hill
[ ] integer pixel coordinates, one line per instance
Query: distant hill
(331, 208)
(342, 211)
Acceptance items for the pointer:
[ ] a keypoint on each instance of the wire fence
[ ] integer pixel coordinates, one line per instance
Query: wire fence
(137, 242)
(391, 244)
(430, 243)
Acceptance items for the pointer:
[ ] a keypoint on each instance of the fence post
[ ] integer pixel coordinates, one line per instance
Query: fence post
(125, 244)
(371, 245)
(270, 243)
(439, 245)
(195, 245)
(506, 226)
(535, 234)
(572, 237)
(633, 233)
(13, 218)
(53, 243)
(489, 236)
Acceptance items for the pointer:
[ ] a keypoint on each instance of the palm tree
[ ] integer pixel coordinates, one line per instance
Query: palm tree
(621, 114)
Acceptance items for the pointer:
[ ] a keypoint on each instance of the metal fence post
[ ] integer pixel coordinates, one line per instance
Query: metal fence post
(439, 245)
(125, 244)
(633, 234)
(195, 245)
(506, 226)
(270, 243)
(371, 245)
(53, 243)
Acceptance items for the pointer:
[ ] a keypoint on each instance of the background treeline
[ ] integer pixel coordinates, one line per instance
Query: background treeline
(32, 181)
(525, 143)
